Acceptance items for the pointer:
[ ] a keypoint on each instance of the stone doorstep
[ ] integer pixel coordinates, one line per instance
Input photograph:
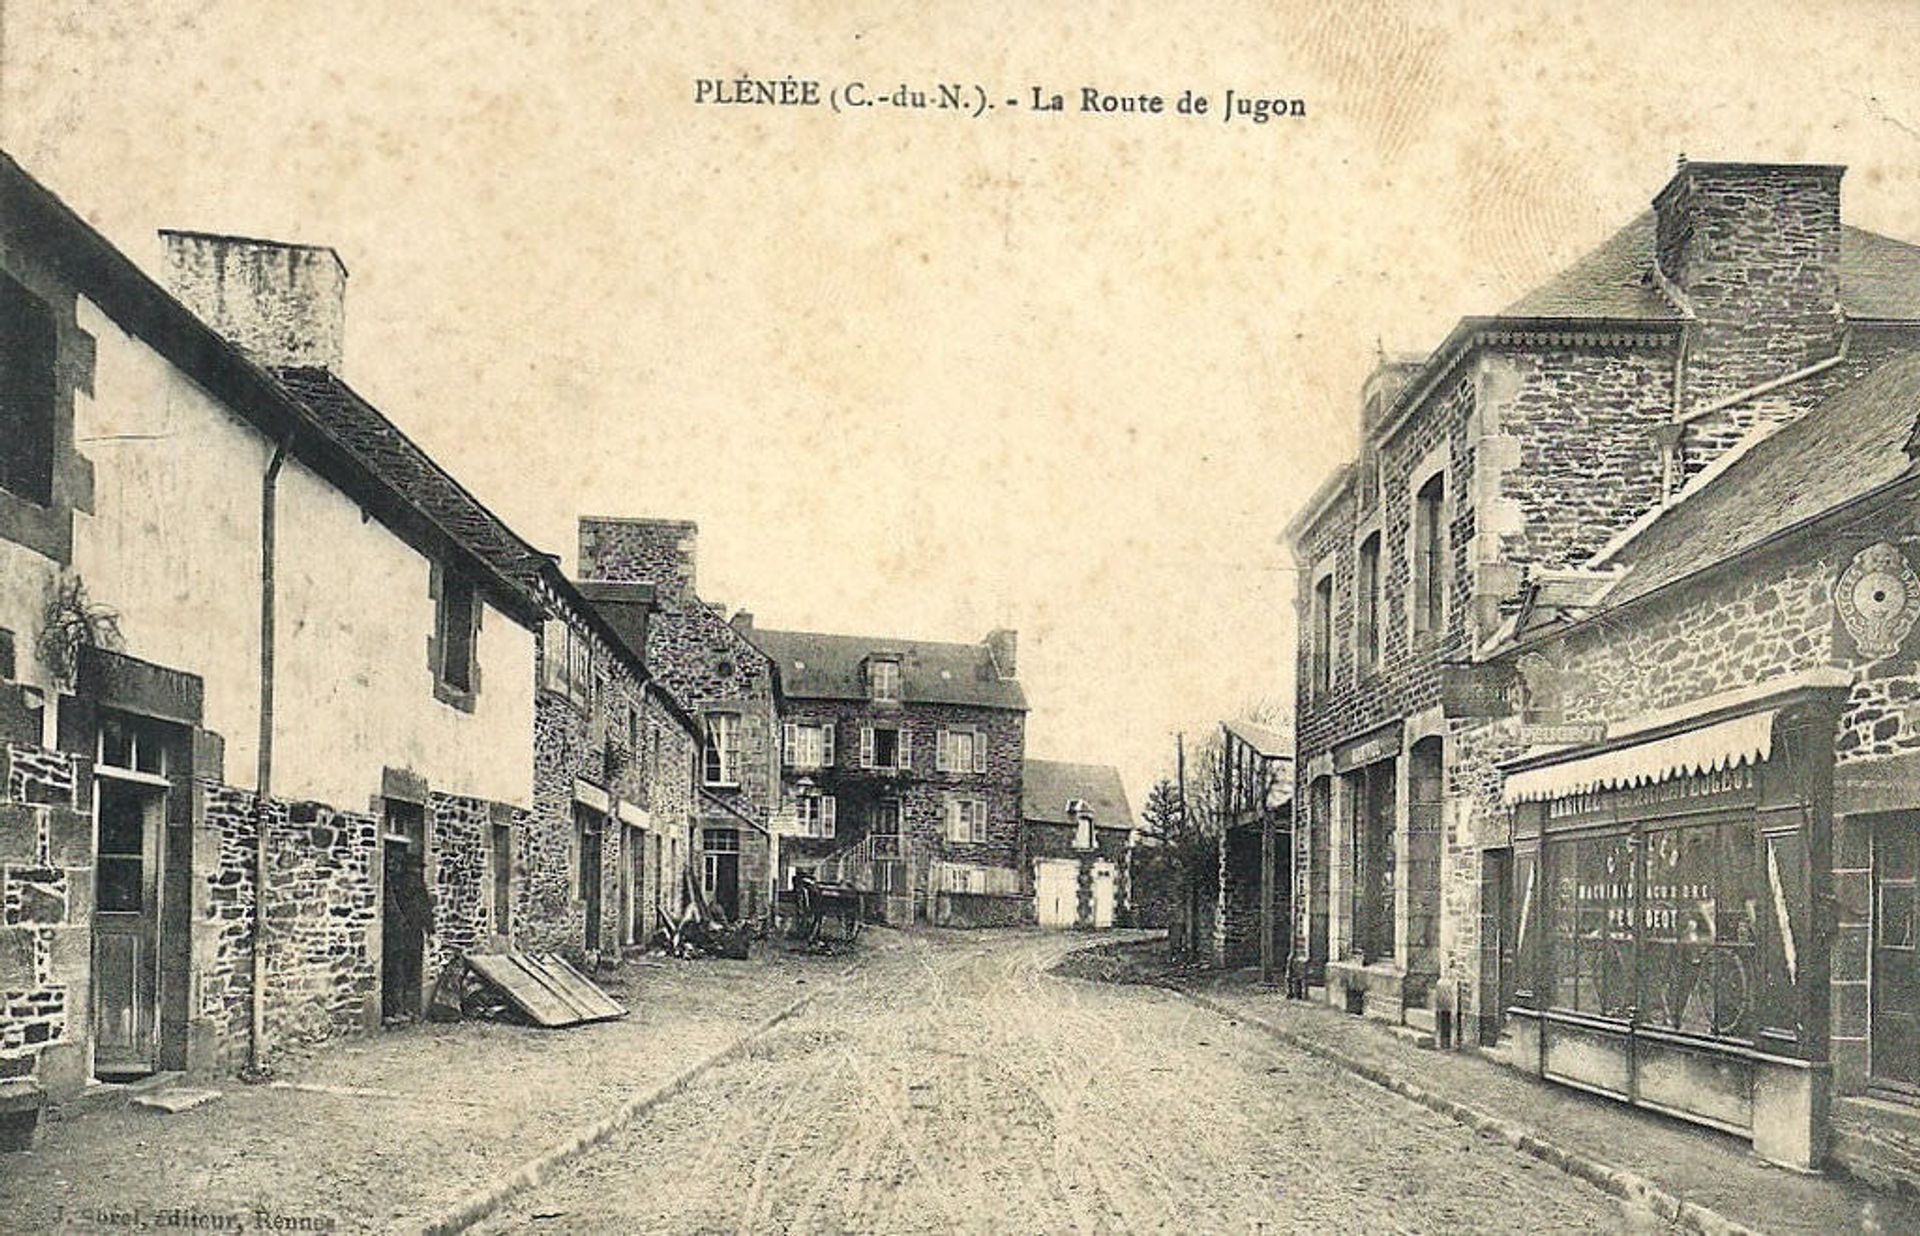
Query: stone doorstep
(175, 1099)
(99, 1095)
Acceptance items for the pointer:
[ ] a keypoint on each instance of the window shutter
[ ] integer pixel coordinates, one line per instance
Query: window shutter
(956, 830)
(789, 743)
(826, 816)
(979, 752)
(866, 746)
(826, 744)
(903, 753)
(942, 756)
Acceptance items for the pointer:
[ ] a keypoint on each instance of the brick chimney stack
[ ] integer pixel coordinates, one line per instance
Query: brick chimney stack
(1753, 251)
(282, 304)
(660, 552)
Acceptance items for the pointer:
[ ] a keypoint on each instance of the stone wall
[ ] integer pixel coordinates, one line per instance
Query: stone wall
(1755, 252)
(921, 790)
(322, 912)
(1048, 839)
(46, 906)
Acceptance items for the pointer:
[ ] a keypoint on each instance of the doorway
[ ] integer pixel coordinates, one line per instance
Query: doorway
(722, 869)
(1056, 892)
(1895, 1043)
(1371, 795)
(587, 825)
(1103, 880)
(405, 910)
(129, 820)
(633, 882)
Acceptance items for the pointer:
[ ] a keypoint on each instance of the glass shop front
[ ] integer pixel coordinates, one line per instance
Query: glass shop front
(1665, 951)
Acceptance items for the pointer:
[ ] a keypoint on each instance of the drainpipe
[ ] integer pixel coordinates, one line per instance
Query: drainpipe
(269, 493)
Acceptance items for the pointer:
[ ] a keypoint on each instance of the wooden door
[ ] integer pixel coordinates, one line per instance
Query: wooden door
(633, 883)
(1103, 894)
(1895, 1045)
(126, 927)
(1056, 893)
(590, 881)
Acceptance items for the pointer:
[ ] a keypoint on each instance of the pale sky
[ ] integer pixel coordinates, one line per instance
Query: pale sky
(917, 374)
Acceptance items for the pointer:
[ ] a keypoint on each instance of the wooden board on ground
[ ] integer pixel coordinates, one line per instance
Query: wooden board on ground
(545, 988)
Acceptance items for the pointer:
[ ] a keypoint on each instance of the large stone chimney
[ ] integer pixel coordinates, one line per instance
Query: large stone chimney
(1753, 250)
(281, 304)
(642, 551)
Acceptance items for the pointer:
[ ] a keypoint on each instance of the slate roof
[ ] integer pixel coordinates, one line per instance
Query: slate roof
(1851, 444)
(393, 456)
(1048, 785)
(1879, 278)
(1261, 738)
(829, 667)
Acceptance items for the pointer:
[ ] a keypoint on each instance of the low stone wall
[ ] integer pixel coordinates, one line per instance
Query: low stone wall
(982, 910)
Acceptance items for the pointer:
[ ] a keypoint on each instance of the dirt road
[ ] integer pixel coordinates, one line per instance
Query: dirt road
(949, 1083)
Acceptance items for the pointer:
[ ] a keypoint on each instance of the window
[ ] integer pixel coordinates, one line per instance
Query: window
(1323, 634)
(28, 346)
(807, 745)
(883, 679)
(1082, 816)
(966, 879)
(720, 840)
(1366, 594)
(456, 620)
(722, 755)
(962, 751)
(568, 662)
(817, 813)
(885, 747)
(131, 744)
(1428, 568)
(966, 820)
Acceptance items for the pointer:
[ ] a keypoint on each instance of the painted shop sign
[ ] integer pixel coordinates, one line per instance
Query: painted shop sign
(1484, 691)
(1381, 744)
(1728, 787)
(1568, 734)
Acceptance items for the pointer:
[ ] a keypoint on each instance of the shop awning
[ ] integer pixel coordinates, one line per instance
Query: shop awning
(1724, 744)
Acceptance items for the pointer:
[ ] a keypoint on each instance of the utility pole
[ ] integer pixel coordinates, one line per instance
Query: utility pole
(1269, 844)
(1189, 930)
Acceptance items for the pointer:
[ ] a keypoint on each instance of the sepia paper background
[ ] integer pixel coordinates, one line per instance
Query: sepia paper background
(917, 373)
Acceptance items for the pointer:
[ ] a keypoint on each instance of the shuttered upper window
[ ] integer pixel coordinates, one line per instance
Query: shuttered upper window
(28, 344)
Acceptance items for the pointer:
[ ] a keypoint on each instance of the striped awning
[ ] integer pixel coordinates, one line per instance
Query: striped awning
(1711, 748)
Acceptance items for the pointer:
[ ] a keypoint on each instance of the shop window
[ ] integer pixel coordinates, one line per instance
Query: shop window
(1428, 567)
(1366, 595)
(1660, 925)
(28, 390)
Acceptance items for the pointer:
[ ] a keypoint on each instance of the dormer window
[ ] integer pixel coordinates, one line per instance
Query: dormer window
(883, 680)
(1082, 816)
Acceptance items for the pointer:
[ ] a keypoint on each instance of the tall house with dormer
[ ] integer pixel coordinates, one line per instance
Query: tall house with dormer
(903, 761)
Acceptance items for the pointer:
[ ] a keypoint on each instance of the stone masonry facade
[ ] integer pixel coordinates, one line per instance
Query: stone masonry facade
(708, 668)
(1555, 436)
(921, 789)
